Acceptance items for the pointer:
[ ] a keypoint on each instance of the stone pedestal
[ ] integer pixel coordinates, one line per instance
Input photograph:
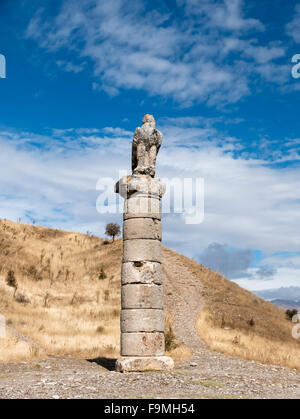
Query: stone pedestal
(142, 315)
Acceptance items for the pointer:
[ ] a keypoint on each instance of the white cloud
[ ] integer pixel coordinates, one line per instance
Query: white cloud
(116, 131)
(249, 203)
(189, 59)
(69, 67)
(263, 55)
(284, 260)
(54, 181)
(287, 277)
(293, 27)
(226, 15)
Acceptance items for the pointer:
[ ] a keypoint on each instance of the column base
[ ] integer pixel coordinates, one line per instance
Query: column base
(144, 363)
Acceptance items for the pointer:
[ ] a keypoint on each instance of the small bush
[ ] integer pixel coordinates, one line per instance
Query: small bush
(223, 324)
(236, 340)
(74, 298)
(11, 279)
(100, 329)
(32, 272)
(46, 298)
(170, 339)
(102, 274)
(115, 312)
(251, 322)
(21, 298)
(39, 276)
(289, 314)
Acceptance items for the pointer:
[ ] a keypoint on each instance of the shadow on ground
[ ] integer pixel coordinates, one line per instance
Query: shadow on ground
(107, 363)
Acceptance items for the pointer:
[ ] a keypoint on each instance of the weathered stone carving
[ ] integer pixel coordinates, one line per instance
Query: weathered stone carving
(145, 146)
(142, 315)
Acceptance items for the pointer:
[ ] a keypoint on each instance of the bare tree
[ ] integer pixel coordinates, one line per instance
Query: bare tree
(113, 230)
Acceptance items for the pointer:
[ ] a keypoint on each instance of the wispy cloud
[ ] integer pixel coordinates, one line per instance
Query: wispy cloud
(248, 204)
(293, 27)
(69, 67)
(205, 52)
(283, 277)
(227, 15)
(53, 178)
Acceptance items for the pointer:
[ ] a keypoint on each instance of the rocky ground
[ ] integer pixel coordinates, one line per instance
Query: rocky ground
(206, 375)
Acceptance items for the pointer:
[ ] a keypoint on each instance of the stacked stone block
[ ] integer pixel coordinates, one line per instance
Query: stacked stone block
(142, 314)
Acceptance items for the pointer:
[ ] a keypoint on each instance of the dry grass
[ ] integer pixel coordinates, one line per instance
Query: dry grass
(247, 345)
(14, 349)
(175, 348)
(70, 311)
(179, 352)
(72, 283)
(238, 323)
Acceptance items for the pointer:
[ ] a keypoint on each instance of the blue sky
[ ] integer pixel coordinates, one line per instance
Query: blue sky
(216, 74)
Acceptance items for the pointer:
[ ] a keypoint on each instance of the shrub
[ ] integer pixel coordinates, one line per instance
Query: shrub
(236, 340)
(46, 298)
(289, 314)
(21, 298)
(223, 323)
(102, 274)
(251, 322)
(32, 271)
(11, 280)
(100, 329)
(74, 298)
(170, 339)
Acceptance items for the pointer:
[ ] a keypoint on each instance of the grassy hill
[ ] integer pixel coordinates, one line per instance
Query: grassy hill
(236, 322)
(67, 302)
(61, 302)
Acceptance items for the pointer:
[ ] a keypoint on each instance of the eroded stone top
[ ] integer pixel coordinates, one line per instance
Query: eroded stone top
(149, 119)
(145, 146)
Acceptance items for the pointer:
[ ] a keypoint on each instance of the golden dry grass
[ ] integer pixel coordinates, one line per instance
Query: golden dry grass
(71, 312)
(238, 323)
(247, 345)
(14, 348)
(177, 349)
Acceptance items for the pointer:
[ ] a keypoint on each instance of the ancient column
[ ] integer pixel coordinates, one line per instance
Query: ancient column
(142, 314)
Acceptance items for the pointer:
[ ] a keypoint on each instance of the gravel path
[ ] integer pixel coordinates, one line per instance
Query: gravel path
(207, 375)
(236, 377)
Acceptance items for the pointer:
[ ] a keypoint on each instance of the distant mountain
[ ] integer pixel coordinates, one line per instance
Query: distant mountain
(287, 304)
(283, 293)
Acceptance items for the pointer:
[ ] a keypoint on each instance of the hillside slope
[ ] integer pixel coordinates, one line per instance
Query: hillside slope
(70, 311)
(228, 318)
(68, 300)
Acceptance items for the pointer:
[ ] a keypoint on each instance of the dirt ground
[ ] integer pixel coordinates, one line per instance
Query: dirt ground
(206, 374)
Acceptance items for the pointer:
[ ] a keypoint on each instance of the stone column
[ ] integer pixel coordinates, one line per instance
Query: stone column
(142, 314)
